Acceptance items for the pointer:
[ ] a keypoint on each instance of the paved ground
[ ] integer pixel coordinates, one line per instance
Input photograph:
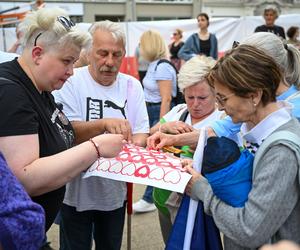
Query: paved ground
(145, 229)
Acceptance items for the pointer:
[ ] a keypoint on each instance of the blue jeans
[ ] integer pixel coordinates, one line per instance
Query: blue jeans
(77, 229)
(148, 194)
(153, 113)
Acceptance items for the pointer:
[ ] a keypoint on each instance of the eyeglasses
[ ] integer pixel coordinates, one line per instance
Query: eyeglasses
(175, 34)
(222, 100)
(68, 24)
(235, 44)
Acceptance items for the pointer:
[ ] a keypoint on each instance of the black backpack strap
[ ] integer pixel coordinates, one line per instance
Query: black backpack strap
(168, 62)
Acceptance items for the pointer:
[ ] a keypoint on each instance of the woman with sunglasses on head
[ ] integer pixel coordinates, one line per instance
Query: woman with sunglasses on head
(200, 43)
(246, 80)
(35, 136)
(174, 48)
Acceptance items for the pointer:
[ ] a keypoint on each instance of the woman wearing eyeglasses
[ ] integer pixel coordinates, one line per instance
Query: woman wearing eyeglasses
(247, 93)
(174, 47)
(34, 133)
(200, 43)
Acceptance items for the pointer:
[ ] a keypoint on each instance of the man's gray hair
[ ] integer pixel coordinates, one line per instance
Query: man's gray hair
(194, 71)
(271, 8)
(114, 28)
(285, 55)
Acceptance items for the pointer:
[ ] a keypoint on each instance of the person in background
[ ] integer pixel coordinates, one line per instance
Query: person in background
(293, 34)
(160, 85)
(174, 47)
(35, 136)
(200, 43)
(270, 15)
(98, 99)
(198, 112)
(17, 46)
(82, 60)
(247, 92)
(141, 63)
(22, 222)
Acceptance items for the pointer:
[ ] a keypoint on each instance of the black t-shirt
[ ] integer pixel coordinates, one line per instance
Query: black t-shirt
(174, 50)
(277, 30)
(26, 111)
(205, 47)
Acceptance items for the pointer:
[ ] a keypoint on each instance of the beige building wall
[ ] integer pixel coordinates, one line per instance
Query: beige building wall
(131, 10)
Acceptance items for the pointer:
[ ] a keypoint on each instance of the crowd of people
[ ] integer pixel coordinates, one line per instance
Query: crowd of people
(56, 121)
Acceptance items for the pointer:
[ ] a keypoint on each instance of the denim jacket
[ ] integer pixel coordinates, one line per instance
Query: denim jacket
(191, 47)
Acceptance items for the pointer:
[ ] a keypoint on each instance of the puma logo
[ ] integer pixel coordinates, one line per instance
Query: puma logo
(110, 104)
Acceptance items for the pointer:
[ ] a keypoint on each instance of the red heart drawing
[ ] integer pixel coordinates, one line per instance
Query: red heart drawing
(142, 171)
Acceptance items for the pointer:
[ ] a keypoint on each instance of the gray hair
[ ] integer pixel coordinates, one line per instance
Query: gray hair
(194, 71)
(115, 29)
(271, 8)
(285, 55)
(51, 33)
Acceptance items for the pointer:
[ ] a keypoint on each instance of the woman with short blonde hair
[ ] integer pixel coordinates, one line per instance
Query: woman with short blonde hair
(35, 135)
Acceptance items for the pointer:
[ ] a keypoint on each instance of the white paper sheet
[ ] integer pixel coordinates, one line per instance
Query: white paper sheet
(138, 165)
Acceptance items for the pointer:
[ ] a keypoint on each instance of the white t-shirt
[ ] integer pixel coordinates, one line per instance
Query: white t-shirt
(164, 71)
(84, 99)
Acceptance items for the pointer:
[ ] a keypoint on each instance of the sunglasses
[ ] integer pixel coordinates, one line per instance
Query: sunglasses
(175, 34)
(68, 24)
(235, 44)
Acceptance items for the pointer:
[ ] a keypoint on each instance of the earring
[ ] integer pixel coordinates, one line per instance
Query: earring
(254, 104)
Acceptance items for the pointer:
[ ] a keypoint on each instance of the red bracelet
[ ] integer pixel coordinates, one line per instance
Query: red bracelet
(96, 145)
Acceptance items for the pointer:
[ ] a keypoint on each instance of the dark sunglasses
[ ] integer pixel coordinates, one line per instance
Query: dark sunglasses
(235, 44)
(68, 24)
(175, 34)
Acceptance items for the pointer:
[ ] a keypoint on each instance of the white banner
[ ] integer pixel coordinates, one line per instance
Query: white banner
(227, 30)
(138, 165)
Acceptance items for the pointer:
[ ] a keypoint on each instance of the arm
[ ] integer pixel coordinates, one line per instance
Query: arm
(270, 202)
(165, 89)
(158, 140)
(187, 50)
(140, 139)
(42, 175)
(225, 127)
(86, 130)
(215, 46)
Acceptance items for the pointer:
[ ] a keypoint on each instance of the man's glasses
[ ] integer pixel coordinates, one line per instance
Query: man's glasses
(221, 101)
(68, 24)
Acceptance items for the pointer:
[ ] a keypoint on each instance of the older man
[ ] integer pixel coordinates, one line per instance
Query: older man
(270, 15)
(99, 99)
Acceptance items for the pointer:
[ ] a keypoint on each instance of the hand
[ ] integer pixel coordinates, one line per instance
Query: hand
(281, 245)
(195, 177)
(158, 140)
(175, 127)
(110, 145)
(118, 126)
